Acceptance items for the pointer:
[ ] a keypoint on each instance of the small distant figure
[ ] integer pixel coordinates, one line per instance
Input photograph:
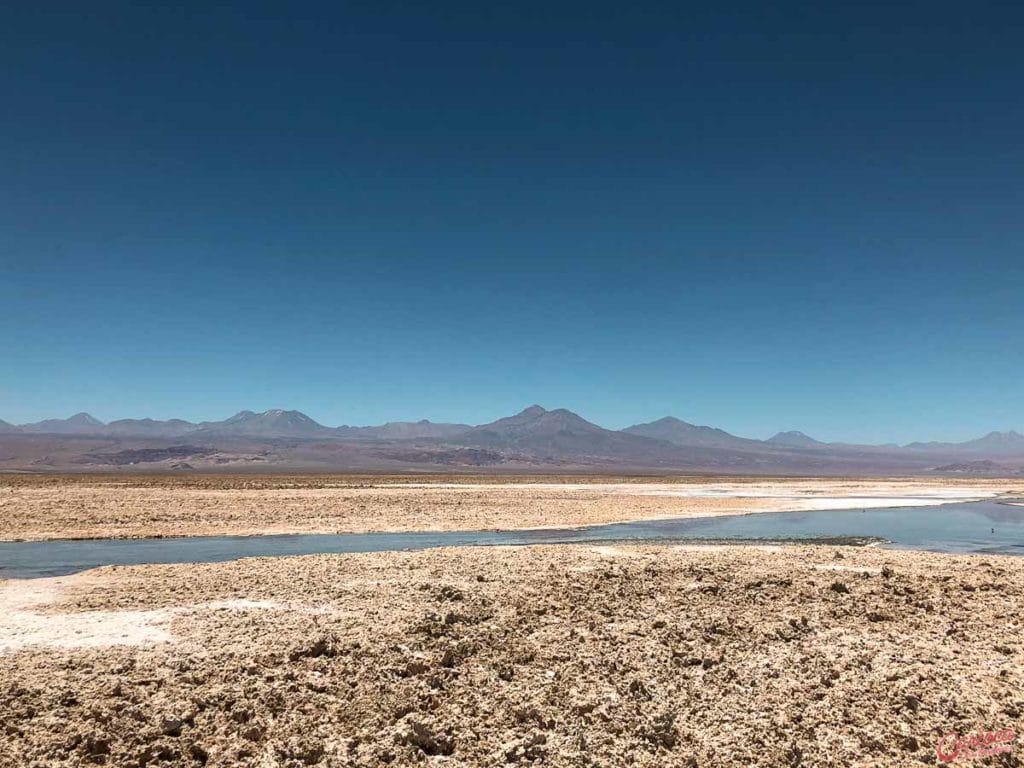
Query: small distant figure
(993, 530)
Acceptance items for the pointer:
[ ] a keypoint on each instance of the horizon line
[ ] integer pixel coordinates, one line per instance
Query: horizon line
(1007, 431)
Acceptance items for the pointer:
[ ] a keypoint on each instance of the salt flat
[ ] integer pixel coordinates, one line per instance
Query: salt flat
(35, 508)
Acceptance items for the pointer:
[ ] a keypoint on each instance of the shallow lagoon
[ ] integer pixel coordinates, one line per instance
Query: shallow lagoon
(984, 527)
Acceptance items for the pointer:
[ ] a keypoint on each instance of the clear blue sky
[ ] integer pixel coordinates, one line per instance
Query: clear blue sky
(762, 217)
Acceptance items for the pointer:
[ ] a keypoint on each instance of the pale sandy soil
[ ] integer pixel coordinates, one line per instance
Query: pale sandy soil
(49, 508)
(22, 625)
(574, 656)
(24, 622)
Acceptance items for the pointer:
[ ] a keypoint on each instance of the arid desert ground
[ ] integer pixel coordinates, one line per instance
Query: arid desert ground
(34, 507)
(581, 655)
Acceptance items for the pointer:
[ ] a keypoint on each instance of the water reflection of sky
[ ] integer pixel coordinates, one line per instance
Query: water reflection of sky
(985, 526)
(953, 527)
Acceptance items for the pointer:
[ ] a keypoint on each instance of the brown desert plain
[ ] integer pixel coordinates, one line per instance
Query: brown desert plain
(568, 655)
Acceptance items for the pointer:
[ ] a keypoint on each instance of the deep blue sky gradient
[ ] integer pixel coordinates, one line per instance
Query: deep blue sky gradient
(759, 217)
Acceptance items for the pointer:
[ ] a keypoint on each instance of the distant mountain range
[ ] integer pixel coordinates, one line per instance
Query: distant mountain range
(994, 442)
(271, 424)
(795, 439)
(79, 424)
(679, 432)
(533, 438)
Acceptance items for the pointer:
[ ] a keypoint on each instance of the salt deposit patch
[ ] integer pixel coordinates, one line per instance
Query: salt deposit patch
(22, 626)
(874, 502)
(240, 605)
(802, 499)
(850, 568)
(94, 629)
(725, 547)
(610, 551)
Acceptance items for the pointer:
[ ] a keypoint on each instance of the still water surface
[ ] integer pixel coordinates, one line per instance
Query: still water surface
(975, 527)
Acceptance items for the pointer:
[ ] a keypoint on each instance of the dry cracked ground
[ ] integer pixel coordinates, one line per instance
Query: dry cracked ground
(556, 656)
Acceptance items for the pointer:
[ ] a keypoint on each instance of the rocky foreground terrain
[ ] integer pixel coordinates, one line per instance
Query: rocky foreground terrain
(559, 656)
